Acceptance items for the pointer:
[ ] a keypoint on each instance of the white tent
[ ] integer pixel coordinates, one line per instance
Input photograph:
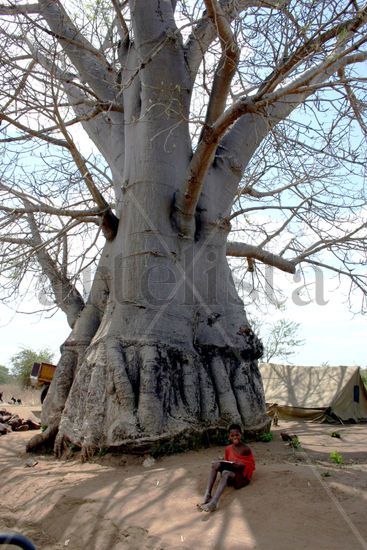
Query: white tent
(316, 393)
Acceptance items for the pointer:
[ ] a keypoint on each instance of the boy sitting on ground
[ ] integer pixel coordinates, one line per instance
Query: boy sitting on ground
(236, 469)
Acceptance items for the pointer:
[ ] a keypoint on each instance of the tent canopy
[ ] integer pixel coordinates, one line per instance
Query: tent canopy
(314, 392)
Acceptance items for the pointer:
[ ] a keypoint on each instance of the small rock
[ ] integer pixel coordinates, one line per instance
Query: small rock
(30, 462)
(4, 429)
(14, 422)
(32, 424)
(22, 428)
(148, 462)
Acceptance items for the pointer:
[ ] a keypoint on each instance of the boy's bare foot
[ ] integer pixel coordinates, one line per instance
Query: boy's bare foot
(208, 506)
(207, 498)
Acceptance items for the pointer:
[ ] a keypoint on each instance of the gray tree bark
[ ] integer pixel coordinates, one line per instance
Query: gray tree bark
(163, 348)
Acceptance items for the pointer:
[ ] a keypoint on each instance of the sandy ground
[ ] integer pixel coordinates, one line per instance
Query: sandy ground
(298, 499)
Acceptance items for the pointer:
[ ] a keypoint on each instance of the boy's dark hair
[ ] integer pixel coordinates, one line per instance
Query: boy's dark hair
(235, 427)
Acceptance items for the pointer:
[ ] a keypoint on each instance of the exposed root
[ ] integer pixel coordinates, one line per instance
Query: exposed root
(109, 224)
(88, 452)
(132, 396)
(42, 441)
(60, 446)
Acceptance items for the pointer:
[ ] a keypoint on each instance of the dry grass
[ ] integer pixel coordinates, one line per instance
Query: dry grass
(29, 396)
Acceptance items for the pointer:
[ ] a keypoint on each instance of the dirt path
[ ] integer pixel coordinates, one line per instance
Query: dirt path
(299, 499)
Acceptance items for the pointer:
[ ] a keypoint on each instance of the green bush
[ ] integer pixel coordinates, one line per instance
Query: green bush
(336, 457)
(265, 437)
(5, 377)
(295, 442)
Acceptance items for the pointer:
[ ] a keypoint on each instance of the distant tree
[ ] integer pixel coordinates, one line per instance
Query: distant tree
(282, 340)
(4, 375)
(22, 363)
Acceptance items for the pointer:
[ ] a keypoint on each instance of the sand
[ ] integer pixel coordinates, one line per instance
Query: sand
(298, 499)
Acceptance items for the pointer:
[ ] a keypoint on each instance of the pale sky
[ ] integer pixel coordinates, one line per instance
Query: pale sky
(332, 333)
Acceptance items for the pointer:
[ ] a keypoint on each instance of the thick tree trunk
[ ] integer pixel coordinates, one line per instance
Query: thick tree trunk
(173, 356)
(163, 349)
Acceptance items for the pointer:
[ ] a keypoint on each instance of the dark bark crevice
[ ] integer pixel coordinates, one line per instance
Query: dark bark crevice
(109, 224)
(179, 222)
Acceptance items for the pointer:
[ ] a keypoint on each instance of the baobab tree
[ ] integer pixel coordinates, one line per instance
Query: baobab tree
(206, 118)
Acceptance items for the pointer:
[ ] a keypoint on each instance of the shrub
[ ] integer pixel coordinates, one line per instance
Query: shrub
(265, 437)
(336, 457)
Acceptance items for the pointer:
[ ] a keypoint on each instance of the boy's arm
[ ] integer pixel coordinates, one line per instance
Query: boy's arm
(246, 451)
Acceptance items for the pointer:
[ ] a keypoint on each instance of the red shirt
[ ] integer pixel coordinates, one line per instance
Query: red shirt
(248, 461)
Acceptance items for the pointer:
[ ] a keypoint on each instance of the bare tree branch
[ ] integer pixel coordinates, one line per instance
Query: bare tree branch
(124, 31)
(227, 64)
(353, 101)
(313, 44)
(34, 133)
(244, 250)
(21, 9)
(88, 61)
(109, 220)
(204, 32)
(262, 116)
(67, 296)
(329, 243)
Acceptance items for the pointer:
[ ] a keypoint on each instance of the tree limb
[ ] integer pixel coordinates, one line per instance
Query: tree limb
(109, 222)
(227, 65)
(242, 250)
(14, 240)
(262, 194)
(20, 9)
(67, 296)
(310, 46)
(20, 86)
(76, 214)
(103, 130)
(91, 65)
(124, 31)
(353, 101)
(246, 134)
(150, 21)
(280, 229)
(33, 133)
(257, 120)
(260, 207)
(323, 244)
(204, 33)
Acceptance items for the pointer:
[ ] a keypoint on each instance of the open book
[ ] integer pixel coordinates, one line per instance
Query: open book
(229, 465)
